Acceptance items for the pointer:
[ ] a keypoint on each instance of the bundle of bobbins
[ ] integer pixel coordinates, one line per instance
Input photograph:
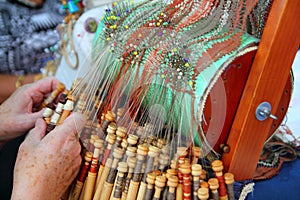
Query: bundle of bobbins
(125, 167)
(122, 163)
(58, 106)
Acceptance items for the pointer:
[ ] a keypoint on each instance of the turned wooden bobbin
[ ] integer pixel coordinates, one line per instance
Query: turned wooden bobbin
(75, 193)
(110, 141)
(229, 180)
(214, 186)
(131, 161)
(111, 128)
(120, 113)
(80, 105)
(57, 113)
(91, 178)
(108, 118)
(181, 152)
(139, 133)
(172, 184)
(58, 89)
(150, 186)
(132, 140)
(142, 152)
(217, 167)
(67, 109)
(196, 173)
(163, 159)
(108, 175)
(204, 184)
(203, 193)
(161, 143)
(152, 153)
(203, 175)
(124, 143)
(185, 170)
(48, 112)
(130, 152)
(197, 151)
(120, 179)
(121, 133)
(160, 183)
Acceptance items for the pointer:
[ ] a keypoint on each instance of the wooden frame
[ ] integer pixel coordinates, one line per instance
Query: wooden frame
(266, 82)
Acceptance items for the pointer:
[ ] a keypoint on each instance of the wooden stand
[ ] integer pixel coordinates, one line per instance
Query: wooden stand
(266, 82)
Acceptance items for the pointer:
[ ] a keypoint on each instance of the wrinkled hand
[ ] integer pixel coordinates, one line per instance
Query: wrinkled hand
(17, 113)
(46, 165)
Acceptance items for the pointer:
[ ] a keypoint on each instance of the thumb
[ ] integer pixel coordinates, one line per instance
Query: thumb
(72, 125)
(37, 133)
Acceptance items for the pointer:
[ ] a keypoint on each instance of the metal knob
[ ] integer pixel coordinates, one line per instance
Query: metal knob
(263, 111)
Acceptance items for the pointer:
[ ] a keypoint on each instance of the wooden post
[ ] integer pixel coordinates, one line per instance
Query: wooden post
(266, 81)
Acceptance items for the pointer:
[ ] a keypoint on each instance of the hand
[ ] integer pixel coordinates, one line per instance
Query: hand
(17, 113)
(46, 165)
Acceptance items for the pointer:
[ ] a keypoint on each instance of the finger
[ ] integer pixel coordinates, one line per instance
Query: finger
(71, 126)
(35, 115)
(37, 133)
(41, 88)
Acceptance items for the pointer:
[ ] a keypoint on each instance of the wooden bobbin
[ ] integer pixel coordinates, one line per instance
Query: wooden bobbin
(130, 152)
(111, 128)
(75, 193)
(173, 164)
(121, 133)
(160, 183)
(214, 186)
(124, 145)
(110, 139)
(203, 193)
(229, 180)
(132, 140)
(57, 113)
(185, 169)
(67, 109)
(163, 160)
(108, 118)
(120, 113)
(203, 175)
(204, 184)
(152, 153)
(196, 173)
(91, 178)
(120, 179)
(80, 105)
(91, 143)
(131, 161)
(217, 167)
(142, 152)
(48, 112)
(196, 154)
(181, 153)
(140, 132)
(172, 184)
(58, 89)
(108, 176)
(161, 143)
(150, 186)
